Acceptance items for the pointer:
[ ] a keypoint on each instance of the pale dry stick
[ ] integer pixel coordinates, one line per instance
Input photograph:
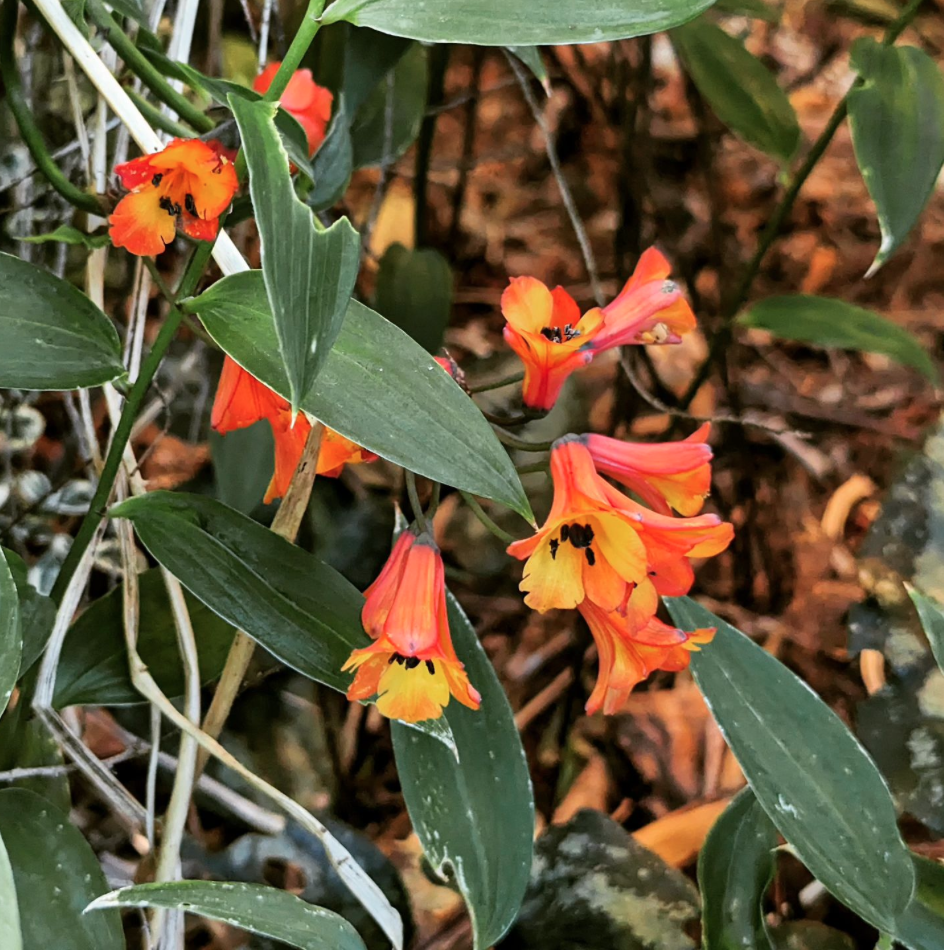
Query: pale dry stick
(225, 252)
(78, 120)
(355, 878)
(264, 34)
(550, 146)
(286, 523)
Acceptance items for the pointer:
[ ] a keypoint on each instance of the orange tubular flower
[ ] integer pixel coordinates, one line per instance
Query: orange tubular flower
(649, 309)
(547, 332)
(241, 401)
(628, 654)
(304, 99)
(411, 667)
(596, 541)
(665, 475)
(190, 183)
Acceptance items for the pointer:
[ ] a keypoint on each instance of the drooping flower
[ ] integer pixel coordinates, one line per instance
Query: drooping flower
(241, 401)
(629, 653)
(596, 541)
(189, 183)
(304, 99)
(665, 475)
(649, 309)
(411, 667)
(549, 335)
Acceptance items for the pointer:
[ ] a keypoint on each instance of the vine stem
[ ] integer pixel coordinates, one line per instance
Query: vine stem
(415, 501)
(497, 384)
(286, 523)
(296, 52)
(479, 513)
(781, 212)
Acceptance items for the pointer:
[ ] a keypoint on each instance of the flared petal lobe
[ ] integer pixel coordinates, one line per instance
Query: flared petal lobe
(309, 103)
(546, 331)
(412, 666)
(665, 475)
(649, 309)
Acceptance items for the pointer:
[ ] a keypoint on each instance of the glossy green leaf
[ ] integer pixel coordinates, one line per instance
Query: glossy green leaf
(932, 621)
(37, 613)
(368, 57)
(379, 389)
(516, 22)
(10, 935)
(735, 866)
(369, 126)
(66, 234)
(827, 322)
(93, 667)
(474, 818)
(897, 122)
(814, 780)
(531, 57)
(309, 273)
(414, 291)
(740, 89)
(53, 336)
(56, 875)
(35, 747)
(259, 909)
(299, 609)
(243, 462)
(11, 640)
(333, 163)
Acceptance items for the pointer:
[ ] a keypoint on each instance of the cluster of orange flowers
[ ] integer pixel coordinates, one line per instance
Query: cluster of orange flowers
(599, 551)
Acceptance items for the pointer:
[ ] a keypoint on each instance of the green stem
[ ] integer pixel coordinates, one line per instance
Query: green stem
(158, 119)
(479, 513)
(142, 67)
(533, 468)
(497, 384)
(29, 131)
(415, 501)
(307, 30)
(129, 411)
(513, 442)
(781, 212)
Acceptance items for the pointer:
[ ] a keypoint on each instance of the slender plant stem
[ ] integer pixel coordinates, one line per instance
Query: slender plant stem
(307, 30)
(776, 221)
(286, 523)
(415, 501)
(497, 384)
(145, 70)
(479, 513)
(29, 130)
(158, 119)
(513, 442)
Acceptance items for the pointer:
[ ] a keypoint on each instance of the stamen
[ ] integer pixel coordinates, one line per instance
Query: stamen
(565, 532)
(172, 209)
(412, 662)
(591, 557)
(555, 544)
(156, 180)
(558, 334)
(190, 205)
(431, 667)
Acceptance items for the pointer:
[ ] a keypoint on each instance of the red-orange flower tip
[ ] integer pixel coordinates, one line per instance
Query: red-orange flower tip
(452, 368)
(189, 183)
(337, 451)
(649, 309)
(411, 667)
(628, 654)
(304, 99)
(665, 475)
(549, 335)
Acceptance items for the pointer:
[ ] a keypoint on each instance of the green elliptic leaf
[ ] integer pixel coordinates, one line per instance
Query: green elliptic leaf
(814, 780)
(516, 22)
(897, 122)
(309, 273)
(740, 89)
(11, 640)
(333, 163)
(414, 291)
(531, 57)
(368, 57)
(94, 663)
(53, 336)
(56, 875)
(259, 909)
(735, 866)
(369, 127)
(932, 621)
(10, 935)
(474, 817)
(378, 388)
(37, 613)
(66, 234)
(299, 609)
(827, 322)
